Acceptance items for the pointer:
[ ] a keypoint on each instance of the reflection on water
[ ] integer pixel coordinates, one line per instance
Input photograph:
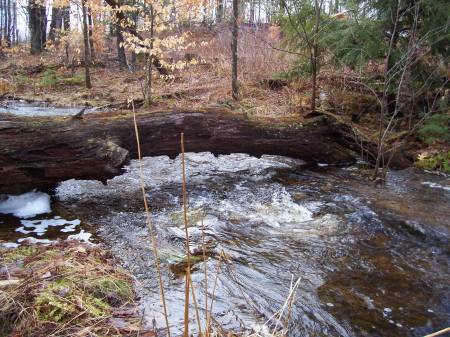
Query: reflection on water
(365, 267)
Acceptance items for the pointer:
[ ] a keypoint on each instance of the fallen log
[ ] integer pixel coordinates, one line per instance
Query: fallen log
(37, 152)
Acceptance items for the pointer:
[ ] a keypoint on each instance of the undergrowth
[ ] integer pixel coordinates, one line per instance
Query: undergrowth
(67, 289)
(435, 162)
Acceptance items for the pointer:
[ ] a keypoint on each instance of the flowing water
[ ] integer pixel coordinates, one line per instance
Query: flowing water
(371, 261)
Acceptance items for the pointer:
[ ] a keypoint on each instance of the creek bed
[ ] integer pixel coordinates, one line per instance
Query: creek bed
(372, 261)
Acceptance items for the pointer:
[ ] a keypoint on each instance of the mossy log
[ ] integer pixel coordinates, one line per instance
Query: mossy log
(37, 152)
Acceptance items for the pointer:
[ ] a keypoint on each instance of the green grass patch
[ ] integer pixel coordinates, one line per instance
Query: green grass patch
(74, 81)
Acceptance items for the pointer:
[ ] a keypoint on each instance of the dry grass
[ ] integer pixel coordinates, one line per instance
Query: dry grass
(66, 289)
(204, 84)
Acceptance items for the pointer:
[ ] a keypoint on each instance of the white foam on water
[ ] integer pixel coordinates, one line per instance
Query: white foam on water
(436, 185)
(9, 245)
(40, 227)
(26, 205)
(33, 240)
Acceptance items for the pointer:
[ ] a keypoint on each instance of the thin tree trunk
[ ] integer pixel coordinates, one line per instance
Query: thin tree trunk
(87, 61)
(252, 11)
(14, 32)
(219, 11)
(8, 24)
(148, 94)
(132, 63)
(234, 55)
(1, 25)
(91, 39)
(315, 53)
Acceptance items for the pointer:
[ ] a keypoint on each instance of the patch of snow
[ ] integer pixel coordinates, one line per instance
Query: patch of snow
(82, 236)
(26, 205)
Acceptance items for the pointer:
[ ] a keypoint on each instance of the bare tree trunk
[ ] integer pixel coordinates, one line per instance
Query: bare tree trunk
(15, 30)
(148, 93)
(315, 53)
(132, 63)
(219, 11)
(387, 99)
(91, 39)
(56, 23)
(8, 22)
(38, 24)
(66, 18)
(234, 55)
(87, 61)
(1, 25)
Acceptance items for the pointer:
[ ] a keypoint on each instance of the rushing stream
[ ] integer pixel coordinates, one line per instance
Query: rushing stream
(371, 261)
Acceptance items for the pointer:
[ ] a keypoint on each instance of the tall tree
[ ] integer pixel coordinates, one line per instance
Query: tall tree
(91, 37)
(56, 22)
(219, 10)
(120, 22)
(234, 54)
(38, 25)
(66, 18)
(87, 60)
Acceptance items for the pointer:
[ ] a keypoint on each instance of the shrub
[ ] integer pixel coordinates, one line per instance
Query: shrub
(436, 128)
(435, 162)
(49, 79)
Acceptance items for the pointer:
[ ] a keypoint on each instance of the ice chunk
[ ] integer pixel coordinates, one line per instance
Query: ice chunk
(26, 205)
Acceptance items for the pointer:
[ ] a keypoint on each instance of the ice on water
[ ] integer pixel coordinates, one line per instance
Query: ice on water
(26, 205)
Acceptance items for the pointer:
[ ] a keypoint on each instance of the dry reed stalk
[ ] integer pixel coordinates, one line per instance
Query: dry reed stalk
(188, 253)
(206, 275)
(439, 333)
(197, 314)
(208, 315)
(150, 224)
(292, 292)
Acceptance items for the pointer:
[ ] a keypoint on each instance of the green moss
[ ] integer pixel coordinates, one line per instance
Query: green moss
(12, 255)
(49, 79)
(74, 81)
(111, 289)
(20, 80)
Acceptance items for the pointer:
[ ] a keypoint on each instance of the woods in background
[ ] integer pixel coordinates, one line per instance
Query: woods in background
(390, 58)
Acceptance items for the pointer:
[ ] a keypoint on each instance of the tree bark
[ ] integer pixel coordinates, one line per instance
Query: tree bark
(87, 60)
(55, 23)
(91, 38)
(121, 57)
(39, 152)
(234, 55)
(66, 18)
(8, 25)
(219, 11)
(38, 24)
